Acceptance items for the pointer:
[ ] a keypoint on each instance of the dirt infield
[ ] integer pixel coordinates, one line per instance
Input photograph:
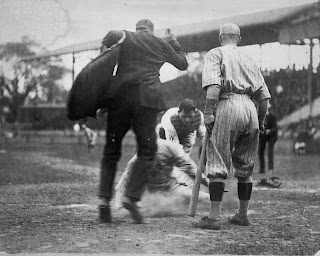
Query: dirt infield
(48, 204)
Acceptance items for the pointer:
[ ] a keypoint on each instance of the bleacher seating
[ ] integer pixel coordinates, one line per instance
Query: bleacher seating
(289, 89)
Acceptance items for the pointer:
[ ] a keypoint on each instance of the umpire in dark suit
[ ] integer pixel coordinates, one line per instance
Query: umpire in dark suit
(138, 101)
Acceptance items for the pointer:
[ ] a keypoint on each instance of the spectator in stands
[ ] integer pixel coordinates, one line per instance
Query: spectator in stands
(289, 91)
(307, 130)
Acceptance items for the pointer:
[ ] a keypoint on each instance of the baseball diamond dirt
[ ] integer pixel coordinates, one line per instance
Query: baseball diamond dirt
(48, 204)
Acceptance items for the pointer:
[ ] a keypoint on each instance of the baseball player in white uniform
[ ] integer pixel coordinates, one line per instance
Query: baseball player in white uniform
(183, 124)
(232, 81)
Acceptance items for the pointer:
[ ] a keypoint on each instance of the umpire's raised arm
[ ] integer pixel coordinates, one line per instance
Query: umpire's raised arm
(176, 56)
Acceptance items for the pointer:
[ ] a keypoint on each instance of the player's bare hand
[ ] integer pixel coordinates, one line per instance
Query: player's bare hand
(169, 35)
(209, 121)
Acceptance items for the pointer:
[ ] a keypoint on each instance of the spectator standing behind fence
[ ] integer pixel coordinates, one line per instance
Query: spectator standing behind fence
(231, 79)
(136, 105)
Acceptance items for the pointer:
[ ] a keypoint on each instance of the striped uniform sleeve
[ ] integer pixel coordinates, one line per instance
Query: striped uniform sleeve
(263, 91)
(211, 74)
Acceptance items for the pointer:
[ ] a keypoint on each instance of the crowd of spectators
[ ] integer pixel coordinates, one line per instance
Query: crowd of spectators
(310, 126)
(290, 89)
(305, 134)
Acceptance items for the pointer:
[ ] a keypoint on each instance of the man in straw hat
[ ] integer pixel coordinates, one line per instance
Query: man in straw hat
(232, 82)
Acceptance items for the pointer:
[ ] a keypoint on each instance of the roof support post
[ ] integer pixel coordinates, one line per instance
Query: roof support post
(289, 56)
(310, 87)
(73, 62)
(260, 57)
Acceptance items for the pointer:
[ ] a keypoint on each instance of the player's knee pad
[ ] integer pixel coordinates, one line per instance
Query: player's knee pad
(244, 191)
(216, 190)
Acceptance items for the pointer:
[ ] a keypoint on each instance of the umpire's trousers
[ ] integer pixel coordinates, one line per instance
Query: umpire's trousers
(263, 141)
(126, 113)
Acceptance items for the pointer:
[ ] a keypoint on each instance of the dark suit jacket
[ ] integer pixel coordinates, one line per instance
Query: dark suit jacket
(270, 123)
(141, 56)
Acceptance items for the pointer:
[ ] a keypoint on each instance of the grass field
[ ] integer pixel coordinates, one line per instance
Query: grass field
(48, 204)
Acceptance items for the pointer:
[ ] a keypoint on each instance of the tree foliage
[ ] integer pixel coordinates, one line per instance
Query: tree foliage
(184, 87)
(37, 79)
(188, 85)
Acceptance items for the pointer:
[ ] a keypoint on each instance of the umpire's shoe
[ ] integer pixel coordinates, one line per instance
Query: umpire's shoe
(207, 223)
(104, 214)
(134, 211)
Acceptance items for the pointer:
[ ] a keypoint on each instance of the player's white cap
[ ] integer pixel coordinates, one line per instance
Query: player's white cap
(229, 29)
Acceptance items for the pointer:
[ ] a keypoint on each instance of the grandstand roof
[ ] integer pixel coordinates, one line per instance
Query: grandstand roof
(302, 113)
(257, 28)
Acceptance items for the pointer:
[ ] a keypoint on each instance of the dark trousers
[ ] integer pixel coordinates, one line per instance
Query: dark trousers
(125, 114)
(263, 141)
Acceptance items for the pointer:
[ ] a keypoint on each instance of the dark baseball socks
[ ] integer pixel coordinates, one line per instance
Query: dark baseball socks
(244, 195)
(216, 190)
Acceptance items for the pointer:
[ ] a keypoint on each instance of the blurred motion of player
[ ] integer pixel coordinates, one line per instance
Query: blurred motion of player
(90, 135)
(172, 174)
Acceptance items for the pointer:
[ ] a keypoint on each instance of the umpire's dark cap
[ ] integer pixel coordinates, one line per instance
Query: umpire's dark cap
(145, 24)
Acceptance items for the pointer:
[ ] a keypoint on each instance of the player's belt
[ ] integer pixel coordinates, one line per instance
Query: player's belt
(228, 95)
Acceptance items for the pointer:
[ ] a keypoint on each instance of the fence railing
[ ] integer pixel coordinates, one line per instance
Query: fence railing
(67, 136)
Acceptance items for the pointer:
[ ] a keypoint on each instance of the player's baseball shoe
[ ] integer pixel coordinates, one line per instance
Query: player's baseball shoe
(104, 214)
(237, 220)
(134, 211)
(207, 223)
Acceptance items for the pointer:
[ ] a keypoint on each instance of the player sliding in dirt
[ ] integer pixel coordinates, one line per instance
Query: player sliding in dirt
(172, 174)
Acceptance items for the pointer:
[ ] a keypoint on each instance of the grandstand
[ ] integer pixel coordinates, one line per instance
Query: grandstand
(295, 93)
